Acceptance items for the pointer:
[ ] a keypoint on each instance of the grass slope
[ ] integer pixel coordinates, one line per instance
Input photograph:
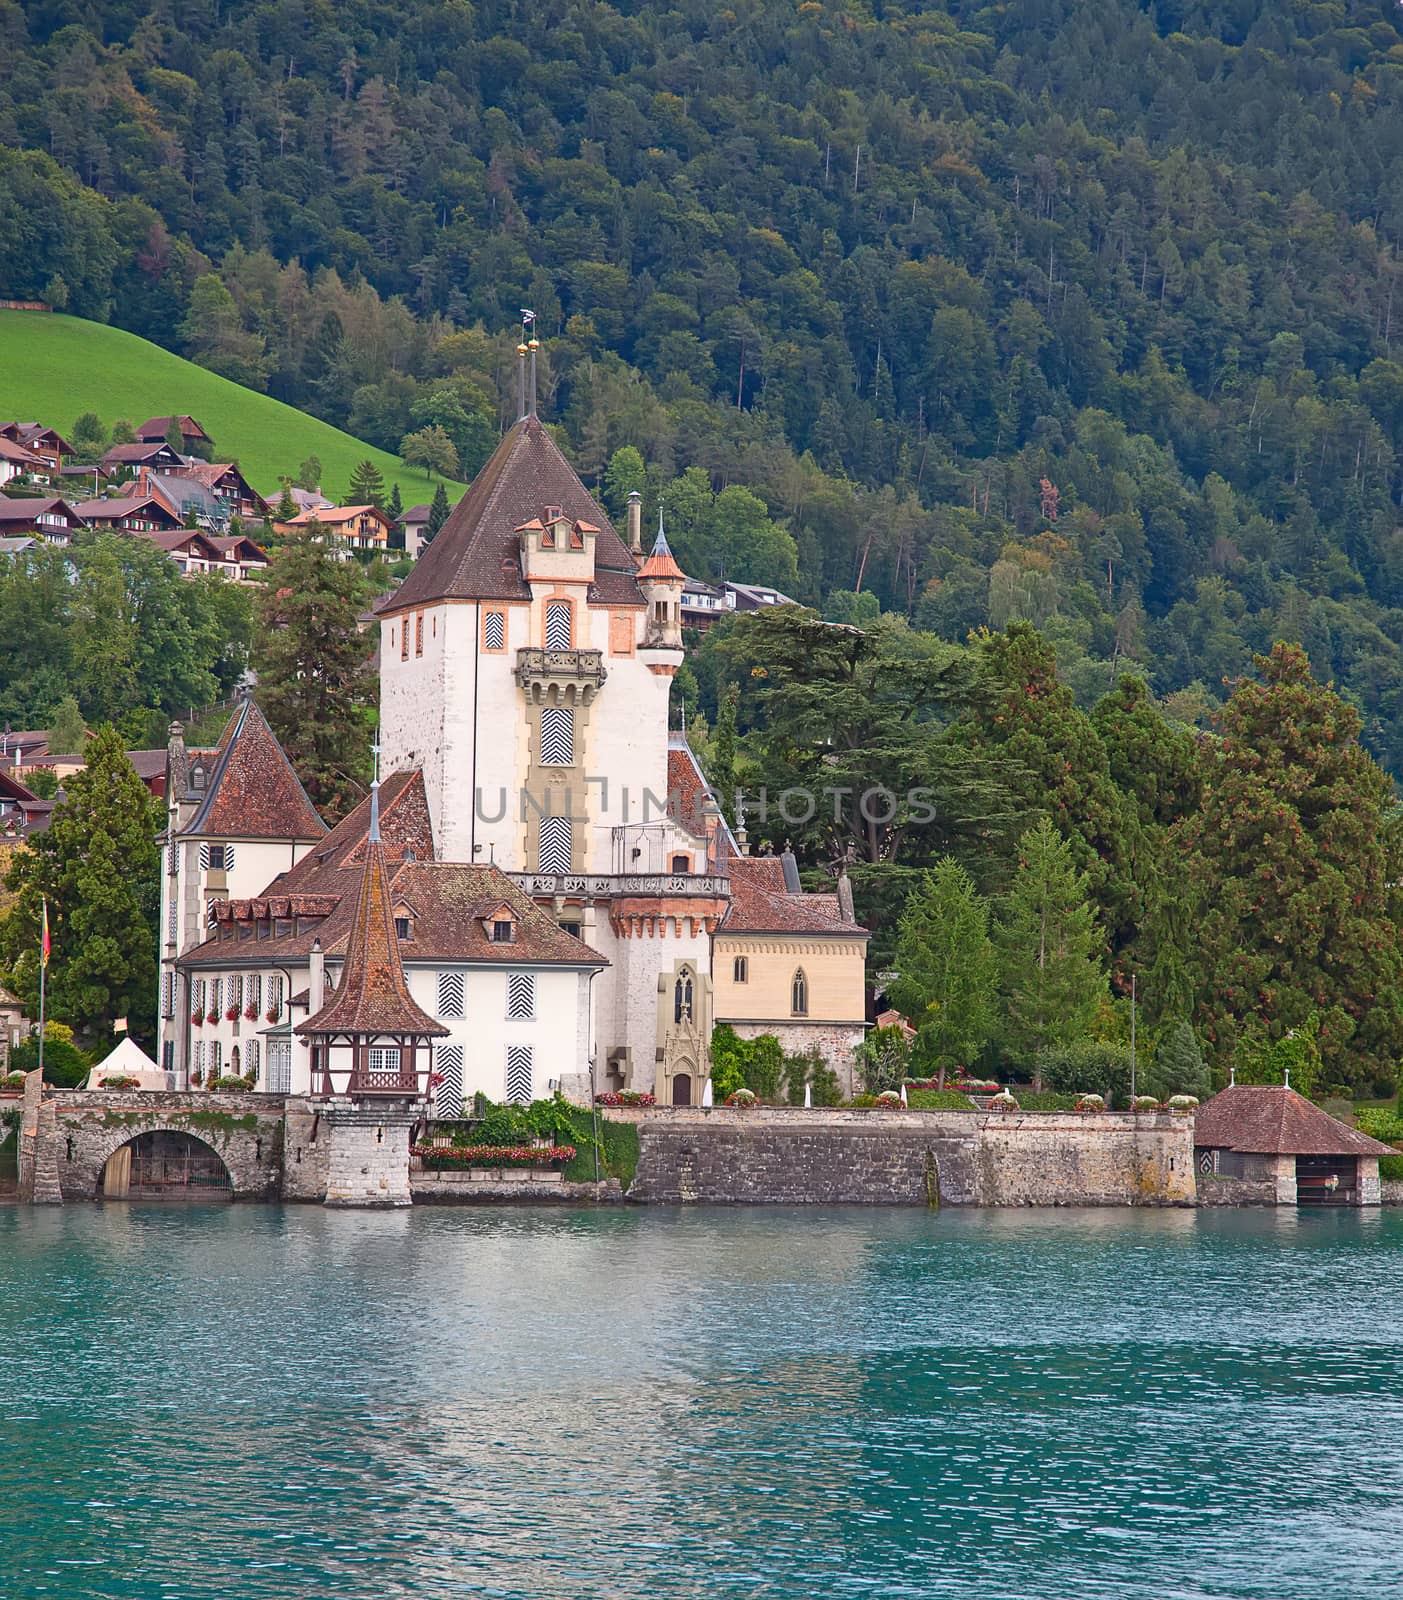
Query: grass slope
(54, 368)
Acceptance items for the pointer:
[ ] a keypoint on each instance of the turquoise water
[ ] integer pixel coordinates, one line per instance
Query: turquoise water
(262, 1404)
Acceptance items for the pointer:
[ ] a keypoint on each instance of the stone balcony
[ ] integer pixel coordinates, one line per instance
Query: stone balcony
(537, 670)
(623, 885)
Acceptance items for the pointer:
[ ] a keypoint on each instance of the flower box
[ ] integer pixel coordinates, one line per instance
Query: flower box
(197, 1018)
(250, 1013)
(274, 1012)
(1090, 1102)
(626, 1097)
(742, 1099)
(231, 1014)
(211, 1017)
(449, 1157)
(120, 1080)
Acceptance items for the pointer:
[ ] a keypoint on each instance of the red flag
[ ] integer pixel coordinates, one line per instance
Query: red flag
(44, 938)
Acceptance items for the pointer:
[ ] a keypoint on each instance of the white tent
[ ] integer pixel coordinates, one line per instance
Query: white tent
(128, 1060)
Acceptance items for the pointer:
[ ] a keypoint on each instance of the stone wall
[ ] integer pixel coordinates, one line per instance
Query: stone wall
(306, 1144)
(245, 1130)
(1216, 1190)
(842, 1156)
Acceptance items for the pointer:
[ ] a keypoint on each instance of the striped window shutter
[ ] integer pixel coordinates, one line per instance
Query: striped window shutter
(450, 994)
(204, 858)
(199, 1055)
(199, 994)
(211, 915)
(554, 853)
(494, 630)
(521, 995)
(251, 1059)
(216, 990)
(448, 1098)
(172, 920)
(173, 860)
(168, 994)
(519, 1074)
(228, 858)
(557, 625)
(255, 990)
(557, 736)
(236, 991)
(216, 1058)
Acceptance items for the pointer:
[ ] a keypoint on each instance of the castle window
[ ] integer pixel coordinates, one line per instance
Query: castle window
(384, 1058)
(403, 929)
(572, 928)
(799, 994)
(740, 972)
(557, 736)
(494, 630)
(682, 997)
(556, 840)
(501, 932)
(419, 633)
(450, 994)
(558, 630)
(681, 863)
(403, 639)
(197, 776)
(520, 1073)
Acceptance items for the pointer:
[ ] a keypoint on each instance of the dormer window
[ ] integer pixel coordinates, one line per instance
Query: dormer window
(197, 776)
(502, 931)
(404, 928)
(577, 538)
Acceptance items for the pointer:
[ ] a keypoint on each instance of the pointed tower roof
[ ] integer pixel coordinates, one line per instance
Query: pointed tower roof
(661, 565)
(253, 792)
(373, 997)
(476, 555)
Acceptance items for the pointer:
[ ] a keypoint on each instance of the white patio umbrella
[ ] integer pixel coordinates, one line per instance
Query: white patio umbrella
(707, 1097)
(808, 1096)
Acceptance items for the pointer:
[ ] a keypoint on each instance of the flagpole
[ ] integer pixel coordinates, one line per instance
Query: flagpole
(43, 973)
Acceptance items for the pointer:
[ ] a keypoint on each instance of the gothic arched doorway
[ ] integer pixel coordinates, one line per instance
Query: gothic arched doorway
(682, 1089)
(165, 1164)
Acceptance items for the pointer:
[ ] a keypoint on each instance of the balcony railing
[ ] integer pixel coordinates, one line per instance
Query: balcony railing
(535, 666)
(616, 885)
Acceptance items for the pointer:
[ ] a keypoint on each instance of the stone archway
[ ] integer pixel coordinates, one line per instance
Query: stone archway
(165, 1164)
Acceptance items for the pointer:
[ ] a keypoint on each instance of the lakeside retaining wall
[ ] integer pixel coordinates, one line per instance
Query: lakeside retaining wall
(776, 1156)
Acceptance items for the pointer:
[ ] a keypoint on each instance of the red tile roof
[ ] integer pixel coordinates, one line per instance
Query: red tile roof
(476, 554)
(137, 452)
(1272, 1120)
(661, 565)
(253, 792)
(760, 902)
(113, 510)
(158, 427)
(688, 791)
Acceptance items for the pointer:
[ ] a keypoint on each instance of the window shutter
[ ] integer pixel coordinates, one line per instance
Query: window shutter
(172, 920)
(557, 736)
(251, 1059)
(557, 625)
(494, 630)
(448, 1097)
(521, 995)
(519, 1074)
(204, 858)
(555, 841)
(228, 858)
(450, 994)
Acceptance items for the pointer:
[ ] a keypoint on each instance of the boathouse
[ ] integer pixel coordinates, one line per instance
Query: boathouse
(1268, 1145)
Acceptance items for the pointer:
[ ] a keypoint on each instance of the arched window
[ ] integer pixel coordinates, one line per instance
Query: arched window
(682, 997)
(799, 994)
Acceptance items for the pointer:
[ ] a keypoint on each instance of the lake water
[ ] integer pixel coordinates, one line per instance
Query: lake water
(272, 1404)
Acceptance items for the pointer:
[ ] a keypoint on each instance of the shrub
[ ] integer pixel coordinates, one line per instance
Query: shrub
(736, 1063)
(1090, 1102)
(120, 1080)
(626, 1097)
(1046, 1100)
(882, 1058)
(1090, 1066)
(65, 1065)
(742, 1097)
(823, 1080)
(1391, 1168)
(1144, 1102)
(437, 1157)
(939, 1100)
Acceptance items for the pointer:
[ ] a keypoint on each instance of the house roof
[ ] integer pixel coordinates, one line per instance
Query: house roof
(253, 793)
(10, 451)
(238, 547)
(661, 565)
(1272, 1120)
(416, 514)
(210, 474)
(450, 900)
(158, 427)
(688, 791)
(114, 509)
(13, 544)
(173, 539)
(27, 510)
(373, 995)
(476, 554)
(329, 516)
(136, 452)
(761, 902)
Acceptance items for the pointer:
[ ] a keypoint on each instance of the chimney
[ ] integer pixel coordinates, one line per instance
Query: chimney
(176, 763)
(790, 867)
(316, 979)
(635, 522)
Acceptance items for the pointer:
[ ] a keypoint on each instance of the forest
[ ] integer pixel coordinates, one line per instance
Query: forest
(1075, 314)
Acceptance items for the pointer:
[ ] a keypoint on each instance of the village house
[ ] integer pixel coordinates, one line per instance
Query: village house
(355, 527)
(50, 517)
(705, 604)
(124, 460)
(17, 461)
(158, 430)
(1282, 1150)
(232, 492)
(415, 523)
(47, 445)
(141, 513)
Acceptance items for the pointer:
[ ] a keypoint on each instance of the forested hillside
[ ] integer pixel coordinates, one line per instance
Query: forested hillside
(1080, 313)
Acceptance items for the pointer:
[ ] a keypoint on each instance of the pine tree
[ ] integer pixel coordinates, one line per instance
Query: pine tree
(97, 864)
(948, 969)
(1050, 950)
(438, 515)
(1289, 864)
(316, 686)
(395, 507)
(367, 485)
(67, 733)
(1178, 1066)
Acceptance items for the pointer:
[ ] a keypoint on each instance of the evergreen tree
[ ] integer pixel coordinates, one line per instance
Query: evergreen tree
(948, 970)
(367, 485)
(287, 507)
(316, 686)
(89, 437)
(309, 474)
(97, 864)
(67, 733)
(438, 515)
(1289, 865)
(395, 506)
(1049, 949)
(1178, 1066)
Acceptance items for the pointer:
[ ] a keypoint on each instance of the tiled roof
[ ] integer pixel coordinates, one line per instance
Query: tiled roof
(405, 827)
(329, 516)
(253, 792)
(159, 427)
(1272, 1120)
(688, 791)
(114, 509)
(476, 554)
(760, 902)
(373, 995)
(238, 547)
(172, 539)
(27, 510)
(662, 564)
(10, 451)
(134, 452)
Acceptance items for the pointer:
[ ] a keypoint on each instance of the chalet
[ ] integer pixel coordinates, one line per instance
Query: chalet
(134, 514)
(357, 527)
(242, 557)
(125, 460)
(191, 550)
(230, 489)
(46, 443)
(1282, 1150)
(18, 461)
(704, 604)
(157, 430)
(17, 544)
(16, 800)
(53, 518)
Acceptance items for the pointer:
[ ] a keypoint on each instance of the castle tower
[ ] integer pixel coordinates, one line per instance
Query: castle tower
(526, 665)
(372, 1049)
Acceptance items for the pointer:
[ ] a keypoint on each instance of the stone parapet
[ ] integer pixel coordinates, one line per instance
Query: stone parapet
(1214, 1190)
(440, 1188)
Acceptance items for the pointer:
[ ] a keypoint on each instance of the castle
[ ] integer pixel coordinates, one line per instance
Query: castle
(564, 883)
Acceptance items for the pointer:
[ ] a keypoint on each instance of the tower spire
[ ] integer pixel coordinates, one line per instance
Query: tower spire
(374, 834)
(527, 348)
